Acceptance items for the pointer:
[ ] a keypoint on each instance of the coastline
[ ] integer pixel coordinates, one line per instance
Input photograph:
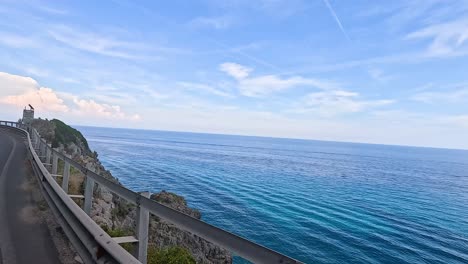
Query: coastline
(116, 216)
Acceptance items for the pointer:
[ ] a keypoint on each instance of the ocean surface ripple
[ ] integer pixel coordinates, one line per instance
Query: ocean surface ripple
(319, 202)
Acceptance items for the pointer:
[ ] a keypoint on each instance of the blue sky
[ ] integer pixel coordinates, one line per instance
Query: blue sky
(391, 72)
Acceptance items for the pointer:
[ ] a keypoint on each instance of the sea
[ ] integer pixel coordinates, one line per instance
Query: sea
(316, 201)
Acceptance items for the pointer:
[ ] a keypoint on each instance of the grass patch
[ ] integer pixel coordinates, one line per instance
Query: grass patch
(170, 255)
(118, 232)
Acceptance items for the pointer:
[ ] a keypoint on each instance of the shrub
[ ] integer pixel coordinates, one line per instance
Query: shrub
(172, 255)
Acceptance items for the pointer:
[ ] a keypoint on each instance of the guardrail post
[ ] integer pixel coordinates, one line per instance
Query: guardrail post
(54, 163)
(88, 200)
(66, 176)
(48, 153)
(43, 148)
(39, 143)
(142, 225)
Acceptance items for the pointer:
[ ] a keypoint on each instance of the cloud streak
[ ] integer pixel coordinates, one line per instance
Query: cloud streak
(446, 39)
(336, 102)
(263, 85)
(221, 22)
(203, 88)
(432, 97)
(337, 20)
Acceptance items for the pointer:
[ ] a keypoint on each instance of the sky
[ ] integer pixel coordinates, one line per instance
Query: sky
(387, 72)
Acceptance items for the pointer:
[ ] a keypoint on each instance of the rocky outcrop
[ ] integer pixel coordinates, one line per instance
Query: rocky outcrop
(112, 212)
(164, 234)
(176, 202)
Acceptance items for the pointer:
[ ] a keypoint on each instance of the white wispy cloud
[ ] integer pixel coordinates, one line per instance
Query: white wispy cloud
(200, 87)
(101, 44)
(16, 41)
(90, 107)
(268, 84)
(219, 22)
(453, 96)
(235, 70)
(91, 42)
(263, 85)
(241, 51)
(52, 10)
(278, 9)
(379, 75)
(446, 39)
(36, 71)
(334, 102)
(404, 13)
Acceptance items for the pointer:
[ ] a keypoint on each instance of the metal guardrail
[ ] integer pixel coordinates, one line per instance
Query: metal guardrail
(92, 243)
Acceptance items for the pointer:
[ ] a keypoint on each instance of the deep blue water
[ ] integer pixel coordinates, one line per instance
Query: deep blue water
(319, 202)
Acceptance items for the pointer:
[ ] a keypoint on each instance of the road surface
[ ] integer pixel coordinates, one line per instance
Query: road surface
(24, 238)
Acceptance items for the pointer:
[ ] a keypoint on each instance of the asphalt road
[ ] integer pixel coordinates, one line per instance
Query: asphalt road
(24, 238)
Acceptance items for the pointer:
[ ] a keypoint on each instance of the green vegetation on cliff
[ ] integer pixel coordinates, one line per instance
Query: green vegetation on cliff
(171, 255)
(64, 134)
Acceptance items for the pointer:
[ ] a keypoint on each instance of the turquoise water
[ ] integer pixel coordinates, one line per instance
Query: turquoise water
(319, 202)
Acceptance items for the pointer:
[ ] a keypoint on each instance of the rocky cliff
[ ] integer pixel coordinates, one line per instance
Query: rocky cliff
(113, 213)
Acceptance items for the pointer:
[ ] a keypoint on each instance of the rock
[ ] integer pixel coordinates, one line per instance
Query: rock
(78, 259)
(175, 202)
(106, 195)
(164, 234)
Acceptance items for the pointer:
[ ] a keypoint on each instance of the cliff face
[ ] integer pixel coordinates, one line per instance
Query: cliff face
(61, 135)
(164, 233)
(114, 213)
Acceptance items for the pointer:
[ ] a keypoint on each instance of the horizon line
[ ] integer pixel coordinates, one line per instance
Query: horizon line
(279, 137)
